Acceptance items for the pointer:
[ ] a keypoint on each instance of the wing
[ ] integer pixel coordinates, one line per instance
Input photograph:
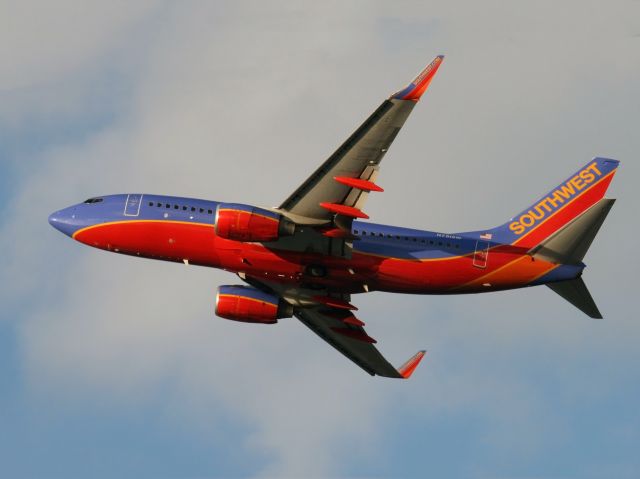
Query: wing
(332, 318)
(345, 333)
(342, 183)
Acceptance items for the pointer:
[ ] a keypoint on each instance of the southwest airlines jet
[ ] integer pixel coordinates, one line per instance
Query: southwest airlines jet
(309, 256)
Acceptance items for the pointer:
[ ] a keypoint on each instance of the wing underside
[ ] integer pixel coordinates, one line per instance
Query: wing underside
(350, 340)
(331, 186)
(358, 157)
(332, 319)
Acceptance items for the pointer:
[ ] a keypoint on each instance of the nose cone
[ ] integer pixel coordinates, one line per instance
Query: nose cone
(65, 221)
(54, 218)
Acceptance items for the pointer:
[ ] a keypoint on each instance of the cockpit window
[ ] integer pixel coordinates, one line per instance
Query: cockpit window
(94, 200)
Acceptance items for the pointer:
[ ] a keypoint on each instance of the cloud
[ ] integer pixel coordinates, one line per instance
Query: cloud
(241, 102)
(42, 42)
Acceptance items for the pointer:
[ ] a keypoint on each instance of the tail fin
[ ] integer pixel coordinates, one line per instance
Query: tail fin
(576, 292)
(560, 206)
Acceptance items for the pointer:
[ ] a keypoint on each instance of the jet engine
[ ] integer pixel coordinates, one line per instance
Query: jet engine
(250, 305)
(247, 223)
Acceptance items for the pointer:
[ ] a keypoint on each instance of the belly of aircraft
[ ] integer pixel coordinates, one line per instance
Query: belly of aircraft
(197, 244)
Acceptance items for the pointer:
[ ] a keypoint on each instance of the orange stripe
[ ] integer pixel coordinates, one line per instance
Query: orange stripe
(505, 272)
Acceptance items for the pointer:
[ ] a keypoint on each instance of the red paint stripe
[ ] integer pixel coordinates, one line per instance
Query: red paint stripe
(566, 213)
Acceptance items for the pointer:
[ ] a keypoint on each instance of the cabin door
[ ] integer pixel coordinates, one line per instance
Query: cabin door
(481, 254)
(132, 206)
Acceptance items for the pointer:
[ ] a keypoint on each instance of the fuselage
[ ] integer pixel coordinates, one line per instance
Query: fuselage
(382, 258)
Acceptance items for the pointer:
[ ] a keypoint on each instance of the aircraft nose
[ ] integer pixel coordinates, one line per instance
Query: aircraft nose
(54, 218)
(64, 221)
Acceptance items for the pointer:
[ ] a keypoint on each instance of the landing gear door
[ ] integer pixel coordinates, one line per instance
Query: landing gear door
(132, 206)
(481, 254)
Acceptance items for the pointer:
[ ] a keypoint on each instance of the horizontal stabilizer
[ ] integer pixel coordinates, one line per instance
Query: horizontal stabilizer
(570, 244)
(576, 292)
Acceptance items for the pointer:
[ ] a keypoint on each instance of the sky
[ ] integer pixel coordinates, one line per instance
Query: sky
(113, 366)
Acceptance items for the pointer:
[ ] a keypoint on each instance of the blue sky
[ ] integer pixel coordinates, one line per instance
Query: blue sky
(111, 366)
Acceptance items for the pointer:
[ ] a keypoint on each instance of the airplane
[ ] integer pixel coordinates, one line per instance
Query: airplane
(309, 256)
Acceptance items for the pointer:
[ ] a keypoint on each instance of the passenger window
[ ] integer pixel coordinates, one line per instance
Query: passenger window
(167, 205)
(201, 210)
(210, 212)
(176, 207)
(184, 208)
(193, 208)
(159, 205)
(150, 203)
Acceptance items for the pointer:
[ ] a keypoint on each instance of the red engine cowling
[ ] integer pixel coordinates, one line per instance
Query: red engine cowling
(250, 305)
(247, 223)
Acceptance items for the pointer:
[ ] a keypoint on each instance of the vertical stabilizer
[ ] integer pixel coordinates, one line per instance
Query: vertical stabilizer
(576, 292)
(560, 206)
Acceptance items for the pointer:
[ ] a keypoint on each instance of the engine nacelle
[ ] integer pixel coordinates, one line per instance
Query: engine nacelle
(250, 305)
(247, 223)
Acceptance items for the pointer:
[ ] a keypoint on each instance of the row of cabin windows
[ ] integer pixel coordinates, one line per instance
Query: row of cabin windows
(406, 238)
(184, 208)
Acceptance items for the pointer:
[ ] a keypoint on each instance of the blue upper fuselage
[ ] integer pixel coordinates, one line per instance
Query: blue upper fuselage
(373, 238)
(112, 208)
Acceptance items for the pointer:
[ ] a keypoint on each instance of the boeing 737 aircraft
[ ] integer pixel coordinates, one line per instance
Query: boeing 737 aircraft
(309, 256)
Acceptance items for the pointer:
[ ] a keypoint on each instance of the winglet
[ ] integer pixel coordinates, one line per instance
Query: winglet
(407, 369)
(419, 85)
